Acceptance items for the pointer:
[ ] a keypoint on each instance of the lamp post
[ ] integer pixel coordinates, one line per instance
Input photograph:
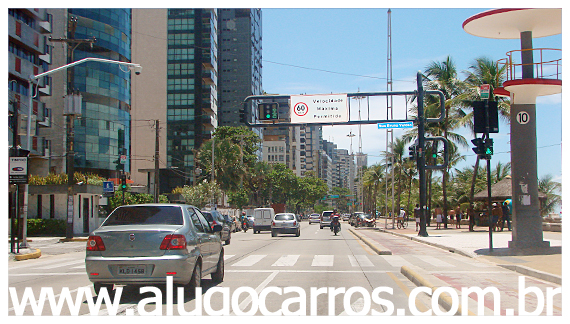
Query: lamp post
(137, 68)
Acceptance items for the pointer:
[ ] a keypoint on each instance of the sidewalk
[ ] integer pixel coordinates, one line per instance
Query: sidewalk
(35, 244)
(545, 264)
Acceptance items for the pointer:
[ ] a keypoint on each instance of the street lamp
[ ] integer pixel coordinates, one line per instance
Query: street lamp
(137, 68)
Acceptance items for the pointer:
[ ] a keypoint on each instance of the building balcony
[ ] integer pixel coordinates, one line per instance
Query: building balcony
(545, 74)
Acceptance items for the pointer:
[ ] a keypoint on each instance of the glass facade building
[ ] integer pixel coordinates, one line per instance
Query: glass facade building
(102, 133)
(191, 88)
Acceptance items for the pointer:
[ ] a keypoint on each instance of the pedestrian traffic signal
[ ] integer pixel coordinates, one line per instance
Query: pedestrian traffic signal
(269, 111)
(489, 146)
(242, 116)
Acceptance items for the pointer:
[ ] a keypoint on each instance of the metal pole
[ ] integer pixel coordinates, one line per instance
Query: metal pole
(213, 196)
(421, 156)
(156, 163)
(489, 202)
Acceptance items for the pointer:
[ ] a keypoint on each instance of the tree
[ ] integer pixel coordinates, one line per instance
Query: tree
(201, 194)
(282, 182)
(551, 188)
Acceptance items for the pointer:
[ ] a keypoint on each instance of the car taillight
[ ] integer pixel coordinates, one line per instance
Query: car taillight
(173, 242)
(95, 243)
(273, 223)
(295, 223)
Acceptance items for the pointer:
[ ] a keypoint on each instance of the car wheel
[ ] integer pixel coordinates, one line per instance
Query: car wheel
(218, 276)
(321, 227)
(97, 287)
(196, 280)
(273, 234)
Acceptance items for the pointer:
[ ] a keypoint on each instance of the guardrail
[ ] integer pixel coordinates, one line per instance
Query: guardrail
(544, 68)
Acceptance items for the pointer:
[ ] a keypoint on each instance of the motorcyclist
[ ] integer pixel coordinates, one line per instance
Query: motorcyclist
(335, 220)
(243, 221)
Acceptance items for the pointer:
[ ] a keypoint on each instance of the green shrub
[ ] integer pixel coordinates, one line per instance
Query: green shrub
(46, 227)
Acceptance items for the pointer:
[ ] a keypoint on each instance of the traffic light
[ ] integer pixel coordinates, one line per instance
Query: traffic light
(242, 116)
(413, 151)
(488, 147)
(479, 148)
(268, 111)
(123, 182)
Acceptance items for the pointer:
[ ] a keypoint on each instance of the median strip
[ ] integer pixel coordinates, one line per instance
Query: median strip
(373, 245)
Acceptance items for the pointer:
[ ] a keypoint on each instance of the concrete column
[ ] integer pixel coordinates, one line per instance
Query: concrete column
(527, 222)
(527, 55)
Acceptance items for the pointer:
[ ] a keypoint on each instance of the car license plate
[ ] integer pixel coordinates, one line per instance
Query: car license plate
(132, 270)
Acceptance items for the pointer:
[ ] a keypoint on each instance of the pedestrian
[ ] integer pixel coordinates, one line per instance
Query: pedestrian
(497, 214)
(458, 217)
(506, 213)
(417, 215)
(451, 214)
(438, 216)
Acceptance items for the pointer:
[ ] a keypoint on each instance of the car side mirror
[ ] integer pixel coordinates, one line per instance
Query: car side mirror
(217, 228)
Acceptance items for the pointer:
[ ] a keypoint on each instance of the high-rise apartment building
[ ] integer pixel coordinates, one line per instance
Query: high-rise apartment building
(102, 131)
(178, 49)
(239, 61)
(29, 54)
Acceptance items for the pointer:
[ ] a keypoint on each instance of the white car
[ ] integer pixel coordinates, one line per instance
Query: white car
(285, 223)
(345, 217)
(314, 218)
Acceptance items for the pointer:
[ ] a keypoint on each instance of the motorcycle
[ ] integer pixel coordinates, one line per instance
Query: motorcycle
(244, 226)
(335, 225)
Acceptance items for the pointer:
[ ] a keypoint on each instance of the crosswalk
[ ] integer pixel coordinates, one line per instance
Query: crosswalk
(272, 261)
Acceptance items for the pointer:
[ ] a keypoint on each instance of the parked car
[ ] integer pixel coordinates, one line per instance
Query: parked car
(231, 223)
(215, 218)
(314, 218)
(285, 223)
(326, 218)
(354, 218)
(345, 217)
(143, 244)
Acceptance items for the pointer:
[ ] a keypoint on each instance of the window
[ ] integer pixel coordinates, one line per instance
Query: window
(196, 221)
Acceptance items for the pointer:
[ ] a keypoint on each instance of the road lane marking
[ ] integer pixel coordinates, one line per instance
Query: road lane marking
(364, 246)
(419, 305)
(249, 260)
(323, 261)
(59, 265)
(360, 260)
(258, 290)
(396, 261)
(434, 261)
(286, 261)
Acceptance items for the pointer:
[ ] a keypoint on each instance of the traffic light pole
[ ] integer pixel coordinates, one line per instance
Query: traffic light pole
(489, 207)
(421, 156)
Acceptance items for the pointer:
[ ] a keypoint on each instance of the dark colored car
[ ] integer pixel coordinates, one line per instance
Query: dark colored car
(143, 244)
(214, 217)
(231, 223)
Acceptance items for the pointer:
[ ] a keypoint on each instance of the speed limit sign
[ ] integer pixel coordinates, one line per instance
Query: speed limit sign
(523, 117)
(301, 109)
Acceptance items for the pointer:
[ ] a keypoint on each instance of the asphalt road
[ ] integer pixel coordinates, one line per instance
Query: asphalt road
(314, 274)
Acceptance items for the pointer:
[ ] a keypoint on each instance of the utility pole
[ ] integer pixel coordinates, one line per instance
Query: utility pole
(421, 156)
(70, 161)
(156, 162)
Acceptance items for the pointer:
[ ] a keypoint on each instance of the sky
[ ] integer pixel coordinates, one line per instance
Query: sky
(323, 51)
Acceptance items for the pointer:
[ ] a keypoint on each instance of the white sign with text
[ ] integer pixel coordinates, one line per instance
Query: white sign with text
(309, 109)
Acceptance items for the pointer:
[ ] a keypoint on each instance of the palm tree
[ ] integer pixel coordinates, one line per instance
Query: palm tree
(551, 189)
(442, 76)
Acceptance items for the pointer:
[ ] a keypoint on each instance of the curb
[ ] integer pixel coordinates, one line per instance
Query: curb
(443, 247)
(371, 244)
(27, 256)
(74, 239)
(533, 273)
(516, 268)
(444, 300)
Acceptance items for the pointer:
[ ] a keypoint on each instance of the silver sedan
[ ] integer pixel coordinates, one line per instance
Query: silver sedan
(143, 244)
(285, 223)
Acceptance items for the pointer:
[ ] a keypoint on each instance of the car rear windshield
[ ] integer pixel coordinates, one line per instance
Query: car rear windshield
(327, 214)
(284, 217)
(145, 215)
